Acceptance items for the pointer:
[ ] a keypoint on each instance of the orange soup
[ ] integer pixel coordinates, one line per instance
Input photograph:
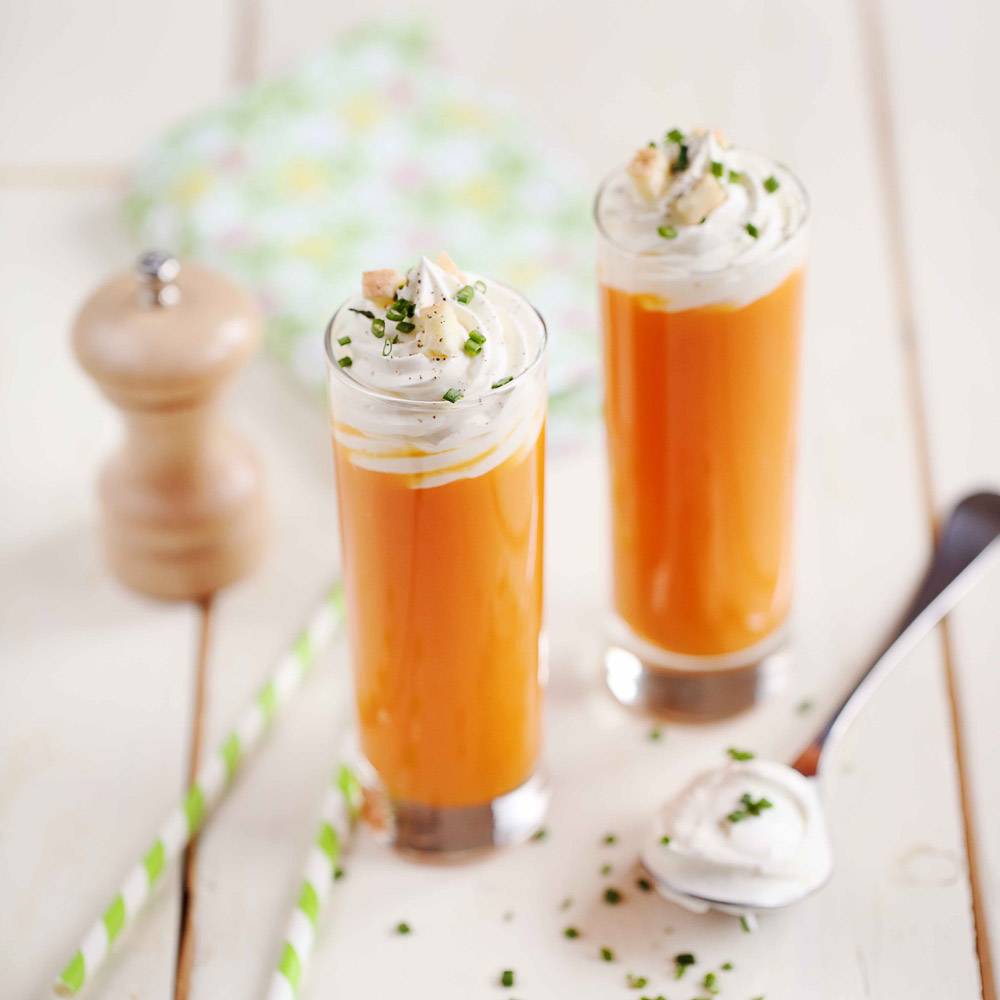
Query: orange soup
(445, 620)
(701, 423)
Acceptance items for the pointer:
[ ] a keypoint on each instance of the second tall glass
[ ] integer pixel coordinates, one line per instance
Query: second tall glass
(701, 359)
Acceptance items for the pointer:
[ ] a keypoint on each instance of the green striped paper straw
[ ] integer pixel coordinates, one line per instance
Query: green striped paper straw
(341, 807)
(211, 782)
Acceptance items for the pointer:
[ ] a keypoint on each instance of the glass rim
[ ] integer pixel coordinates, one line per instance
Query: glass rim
(384, 396)
(749, 265)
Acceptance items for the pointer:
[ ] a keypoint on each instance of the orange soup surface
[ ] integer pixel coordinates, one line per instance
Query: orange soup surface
(701, 423)
(445, 616)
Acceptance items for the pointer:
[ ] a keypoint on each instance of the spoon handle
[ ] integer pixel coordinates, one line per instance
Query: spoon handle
(964, 554)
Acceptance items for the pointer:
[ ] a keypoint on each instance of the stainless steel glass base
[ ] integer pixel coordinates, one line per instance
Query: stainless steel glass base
(692, 688)
(454, 832)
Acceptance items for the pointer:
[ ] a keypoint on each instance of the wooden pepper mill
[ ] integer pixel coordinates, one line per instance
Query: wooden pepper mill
(182, 500)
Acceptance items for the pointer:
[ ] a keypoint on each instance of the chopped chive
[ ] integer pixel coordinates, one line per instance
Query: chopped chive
(735, 176)
(396, 312)
(736, 816)
(675, 135)
(502, 381)
(682, 962)
(540, 834)
(664, 841)
(717, 168)
(479, 338)
(728, 966)
(607, 954)
(571, 932)
(612, 896)
(667, 232)
(345, 361)
(343, 341)
(652, 145)
(752, 230)
(387, 347)
(610, 838)
(751, 808)
(605, 869)
(635, 982)
(465, 293)
(472, 348)
(362, 312)
(740, 754)
(655, 734)
(745, 924)
(771, 184)
(402, 928)
(453, 396)
(480, 286)
(709, 982)
(338, 873)
(378, 327)
(406, 326)
(682, 160)
(507, 977)
(644, 884)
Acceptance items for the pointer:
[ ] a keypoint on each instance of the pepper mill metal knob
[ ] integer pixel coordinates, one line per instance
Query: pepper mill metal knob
(183, 499)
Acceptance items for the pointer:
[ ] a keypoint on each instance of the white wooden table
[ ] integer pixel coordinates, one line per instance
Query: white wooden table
(887, 109)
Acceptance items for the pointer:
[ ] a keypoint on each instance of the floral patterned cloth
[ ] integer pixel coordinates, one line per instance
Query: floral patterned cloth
(368, 155)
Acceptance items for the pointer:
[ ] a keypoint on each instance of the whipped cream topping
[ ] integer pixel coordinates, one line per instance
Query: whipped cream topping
(447, 373)
(697, 222)
(750, 834)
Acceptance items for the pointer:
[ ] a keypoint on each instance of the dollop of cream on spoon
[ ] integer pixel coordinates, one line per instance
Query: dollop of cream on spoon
(746, 836)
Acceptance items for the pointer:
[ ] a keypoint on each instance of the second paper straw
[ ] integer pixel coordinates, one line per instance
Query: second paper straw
(339, 814)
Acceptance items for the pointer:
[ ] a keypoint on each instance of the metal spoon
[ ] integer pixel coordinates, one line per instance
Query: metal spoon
(968, 547)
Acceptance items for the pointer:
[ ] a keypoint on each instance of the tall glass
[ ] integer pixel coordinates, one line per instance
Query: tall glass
(441, 529)
(701, 386)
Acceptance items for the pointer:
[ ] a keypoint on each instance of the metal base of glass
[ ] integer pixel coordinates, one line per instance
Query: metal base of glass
(693, 688)
(456, 832)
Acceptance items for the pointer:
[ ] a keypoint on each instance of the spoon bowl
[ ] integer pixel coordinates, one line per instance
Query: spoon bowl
(734, 907)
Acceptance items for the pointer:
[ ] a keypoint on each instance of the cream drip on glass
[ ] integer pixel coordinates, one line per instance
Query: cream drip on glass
(455, 355)
(714, 224)
(751, 831)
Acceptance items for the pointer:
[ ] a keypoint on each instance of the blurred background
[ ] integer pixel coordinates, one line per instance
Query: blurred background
(295, 144)
(92, 85)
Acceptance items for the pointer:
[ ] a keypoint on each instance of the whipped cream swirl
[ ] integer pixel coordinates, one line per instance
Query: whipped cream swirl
(511, 327)
(767, 853)
(750, 238)
(451, 389)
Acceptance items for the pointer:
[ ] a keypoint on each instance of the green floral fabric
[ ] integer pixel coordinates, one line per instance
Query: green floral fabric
(368, 155)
